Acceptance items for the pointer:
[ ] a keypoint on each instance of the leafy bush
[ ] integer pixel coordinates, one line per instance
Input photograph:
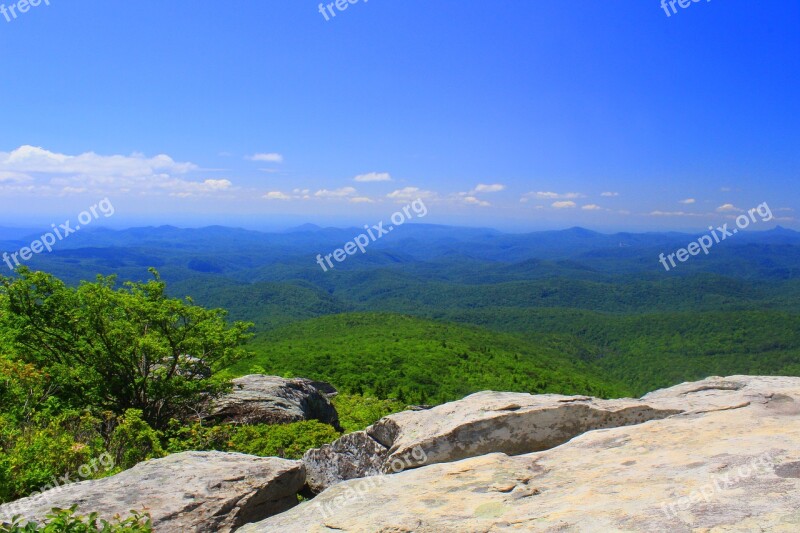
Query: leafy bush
(66, 521)
(134, 441)
(289, 441)
(183, 437)
(356, 412)
(119, 348)
(49, 448)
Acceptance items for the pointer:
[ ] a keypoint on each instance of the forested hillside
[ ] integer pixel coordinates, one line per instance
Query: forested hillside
(422, 361)
(601, 301)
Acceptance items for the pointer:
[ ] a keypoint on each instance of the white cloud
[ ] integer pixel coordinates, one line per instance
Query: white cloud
(45, 172)
(673, 214)
(217, 185)
(591, 207)
(276, 195)
(336, 193)
(471, 200)
(14, 177)
(492, 187)
(564, 205)
(361, 200)
(32, 159)
(266, 157)
(373, 176)
(688, 201)
(296, 194)
(609, 194)
(785, 209)
(66, 191)
(408, 194)
(541, 195)
(185, 189)
(724, 208)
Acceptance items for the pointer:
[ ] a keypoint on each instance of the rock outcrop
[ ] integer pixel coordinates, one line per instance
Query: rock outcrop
(727, 460)
(259, 399)
(486, 422)
(722, 454)
(191, 491)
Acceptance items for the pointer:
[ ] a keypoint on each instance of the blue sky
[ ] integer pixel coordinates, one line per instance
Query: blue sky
(517, 115)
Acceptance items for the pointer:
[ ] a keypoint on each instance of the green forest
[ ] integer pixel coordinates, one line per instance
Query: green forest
(115, 367)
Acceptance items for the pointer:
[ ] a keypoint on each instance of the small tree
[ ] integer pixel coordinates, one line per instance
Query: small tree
(121, 348)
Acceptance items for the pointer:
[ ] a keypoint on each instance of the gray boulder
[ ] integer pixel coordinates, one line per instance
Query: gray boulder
(729, 462)
(353, 456)
(191, 491)
(259, 399)
(486, 422)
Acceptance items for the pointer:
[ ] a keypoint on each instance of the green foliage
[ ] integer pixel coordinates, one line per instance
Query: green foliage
(290, 441)
(608, 323)
(181, 437)
(119, 348)
(356, 412)
(134, 441)
(655, 350)
(66, 521)
(24, 389)
(50, 448)
(421, 361)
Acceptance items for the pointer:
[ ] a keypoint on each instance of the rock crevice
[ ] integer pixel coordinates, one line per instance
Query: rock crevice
(486, 422)
(733, 465)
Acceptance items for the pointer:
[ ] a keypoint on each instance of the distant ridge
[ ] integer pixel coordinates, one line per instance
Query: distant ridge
(304, 227)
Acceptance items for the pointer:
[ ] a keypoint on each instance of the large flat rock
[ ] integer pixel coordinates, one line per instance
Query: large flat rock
(486, 422)
(185, 492)
(730, 461)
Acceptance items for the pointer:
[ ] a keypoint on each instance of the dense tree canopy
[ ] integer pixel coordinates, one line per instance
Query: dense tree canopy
(119, 347)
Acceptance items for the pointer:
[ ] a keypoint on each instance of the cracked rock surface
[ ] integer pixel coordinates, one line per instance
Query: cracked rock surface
(486, 422)
(190, 491)
(727, 459)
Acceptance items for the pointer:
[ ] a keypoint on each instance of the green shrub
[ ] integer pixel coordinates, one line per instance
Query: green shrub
(290, 441)
(50, 448)
(182, 437)
(134, 441)
(66, 521)
(119, 348)
(356, 412)
(6, 480)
